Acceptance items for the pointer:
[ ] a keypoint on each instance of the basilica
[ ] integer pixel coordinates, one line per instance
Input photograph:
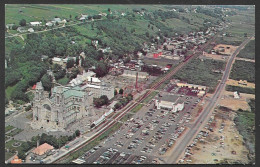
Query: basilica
(65, 106)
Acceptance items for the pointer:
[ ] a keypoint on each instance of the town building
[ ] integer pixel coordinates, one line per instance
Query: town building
(16, 160)
(65, 106)
(35, 23)
(42, 151)
(21, 29)
(30, 30)
(236, 95)
(170, 102)
(129, 73)
(99, 88)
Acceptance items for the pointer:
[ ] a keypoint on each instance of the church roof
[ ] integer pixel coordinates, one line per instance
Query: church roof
(70, 91)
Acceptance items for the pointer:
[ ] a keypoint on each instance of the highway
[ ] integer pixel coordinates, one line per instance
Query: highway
(109, 124)
(190, 134)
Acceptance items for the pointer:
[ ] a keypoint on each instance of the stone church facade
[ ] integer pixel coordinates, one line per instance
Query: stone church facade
(65, 106)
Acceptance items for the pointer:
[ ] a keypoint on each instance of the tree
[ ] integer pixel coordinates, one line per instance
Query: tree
(109, 10)
(22, 22)
(46, 82)
(77, 132)
(115, 92)
(70, 16)
(121, 91)
(77, 60)
(28, 108)
(14, 27)
(70, 63)
(118, 105)
(105, 99)
(147, 34)
(129, 97)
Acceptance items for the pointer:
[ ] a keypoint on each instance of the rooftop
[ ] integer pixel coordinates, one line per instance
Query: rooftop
(169, 98)
(42, 149)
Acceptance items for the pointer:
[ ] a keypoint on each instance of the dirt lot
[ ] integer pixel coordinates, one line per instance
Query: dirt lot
(228, 101)
(220, 145)
(237, 58)
(215, 57)
(228, 49)
(235, 83)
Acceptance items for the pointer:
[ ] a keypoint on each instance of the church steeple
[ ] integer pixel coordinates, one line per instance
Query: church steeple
(39, 95)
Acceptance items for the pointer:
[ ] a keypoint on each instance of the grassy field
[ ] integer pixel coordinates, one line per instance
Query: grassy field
(9, 146)
(150, 97)
(201, 73)
(240, 89)
(244, 70)
(15, 132)
(63, 81)
(248, 51)
(137, 108)
(8, 128)
(245, 122)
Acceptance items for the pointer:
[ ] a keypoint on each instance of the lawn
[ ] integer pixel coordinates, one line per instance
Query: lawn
(9, 146)
(137, 108)
(63, 81)
(150, 97)
(8, 128)
(126, 117)
(201, 73)
(243, 70)
(15, 132)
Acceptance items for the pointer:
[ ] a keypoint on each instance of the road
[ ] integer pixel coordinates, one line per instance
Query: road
(189, 135)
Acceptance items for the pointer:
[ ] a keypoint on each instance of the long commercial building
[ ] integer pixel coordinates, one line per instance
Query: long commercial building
(170, 102)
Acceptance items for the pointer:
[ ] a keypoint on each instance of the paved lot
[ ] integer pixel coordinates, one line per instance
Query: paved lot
(145, 134)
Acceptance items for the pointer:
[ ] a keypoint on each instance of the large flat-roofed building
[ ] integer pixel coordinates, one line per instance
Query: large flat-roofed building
(170, 102)
(65, 106)
(99, 88)
(129, 73)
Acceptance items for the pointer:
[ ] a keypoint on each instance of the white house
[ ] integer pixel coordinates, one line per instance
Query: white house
(30, 30)
(49, 24)
(236, 96)
(170, 102)
(35, 23)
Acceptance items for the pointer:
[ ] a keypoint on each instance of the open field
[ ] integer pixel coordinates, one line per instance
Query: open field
(220, 145)
(214, 56)
(228, 101)
(235, 83)
(243, 70)
(201, 72)
(225, 49)
(249, 51)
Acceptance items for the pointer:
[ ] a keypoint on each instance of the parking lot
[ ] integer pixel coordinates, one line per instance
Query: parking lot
(150, 133)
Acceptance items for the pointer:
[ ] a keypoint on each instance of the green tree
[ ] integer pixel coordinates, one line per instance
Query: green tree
(104, 97)
(14, 27)
(46, 82)
(77, 132)
(70, 63)
(115, 92)
(118, 105)
(121, 91)
(28, 108)
(22, 22)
